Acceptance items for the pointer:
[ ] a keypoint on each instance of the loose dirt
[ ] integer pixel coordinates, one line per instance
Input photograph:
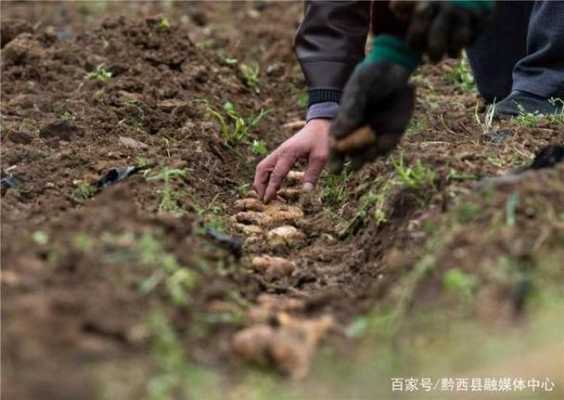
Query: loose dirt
(97, 284)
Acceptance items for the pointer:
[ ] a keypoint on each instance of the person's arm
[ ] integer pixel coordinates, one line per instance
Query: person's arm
(329, 43)
(378, 100)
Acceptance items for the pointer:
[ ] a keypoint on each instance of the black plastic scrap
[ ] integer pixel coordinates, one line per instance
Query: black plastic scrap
(548, 157)
(8, 182)
(233, 244)
(116, 175)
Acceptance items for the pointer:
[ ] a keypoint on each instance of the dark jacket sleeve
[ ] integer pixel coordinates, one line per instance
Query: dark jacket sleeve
(329, 43)
(331, 40)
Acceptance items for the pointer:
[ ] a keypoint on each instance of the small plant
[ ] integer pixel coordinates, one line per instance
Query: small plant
(303, 99)
(40, 237)
(251, 75)
(532, 120)
(487, 124)
(230, 60)
(177, 279)
(68, 116)
(163, 24)
(416, 125)
(511, 209)
(211, 214)
(461, 75)
(372, 204)
(99, 74)
(258, 147)
(169, 198)
(413, 177)
(460, 283)
(234, 128)
(83, 242)
(83, 191)
(466, 212)
(335, 191)
(454, 175)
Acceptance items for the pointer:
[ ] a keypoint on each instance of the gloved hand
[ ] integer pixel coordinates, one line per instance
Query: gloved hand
(376, 106)
(439, 28)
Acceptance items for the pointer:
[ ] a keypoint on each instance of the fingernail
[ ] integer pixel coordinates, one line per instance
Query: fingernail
(308, 187)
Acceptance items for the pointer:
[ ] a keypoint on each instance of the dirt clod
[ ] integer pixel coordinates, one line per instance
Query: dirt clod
(273, 267)
(60, 130)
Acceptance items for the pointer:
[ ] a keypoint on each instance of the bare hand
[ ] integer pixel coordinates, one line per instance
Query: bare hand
(311, 142)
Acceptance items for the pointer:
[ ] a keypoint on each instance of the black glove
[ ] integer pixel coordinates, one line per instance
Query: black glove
(439, 28)
(376, 107)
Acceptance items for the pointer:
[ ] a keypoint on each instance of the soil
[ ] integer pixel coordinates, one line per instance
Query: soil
(76, 262)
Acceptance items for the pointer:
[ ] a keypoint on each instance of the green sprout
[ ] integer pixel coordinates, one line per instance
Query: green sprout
(99, 74)
(233, 127)
(258, 147)
(251, 75)
(169, 197)
(413, 177)
(460, 283)
(461, 75)
(83, 191)
(177, 279)
(164, 24)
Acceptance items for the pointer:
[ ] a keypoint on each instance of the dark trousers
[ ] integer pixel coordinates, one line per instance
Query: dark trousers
(523, 49)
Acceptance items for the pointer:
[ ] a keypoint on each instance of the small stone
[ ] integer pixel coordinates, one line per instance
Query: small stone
(22, 50)
(171, 104)
(285, 236)
(21, 137)
(132, 143)
(273, 268)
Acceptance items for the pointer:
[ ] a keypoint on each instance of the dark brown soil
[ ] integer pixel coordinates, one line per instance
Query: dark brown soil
(72, 265)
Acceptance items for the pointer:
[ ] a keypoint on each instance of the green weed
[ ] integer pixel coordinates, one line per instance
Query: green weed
(303, 99)
(211, 215)
(250, 75)
(416, 176)
(461, 75)
(466, 212)
(416, 125)
(460, 283)
(169, 197)
(511, 208)
(371, 205)
(99, 74)
(83, 242)
(83, 191)
(163, 24)
(177, 279)
(40, 237)
(454, 175)
(233, 127)
(258, 147)
(532, 120)
(335, 192)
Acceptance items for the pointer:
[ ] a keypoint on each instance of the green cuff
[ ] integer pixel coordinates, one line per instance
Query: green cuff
(474, 5)
(392, 49)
